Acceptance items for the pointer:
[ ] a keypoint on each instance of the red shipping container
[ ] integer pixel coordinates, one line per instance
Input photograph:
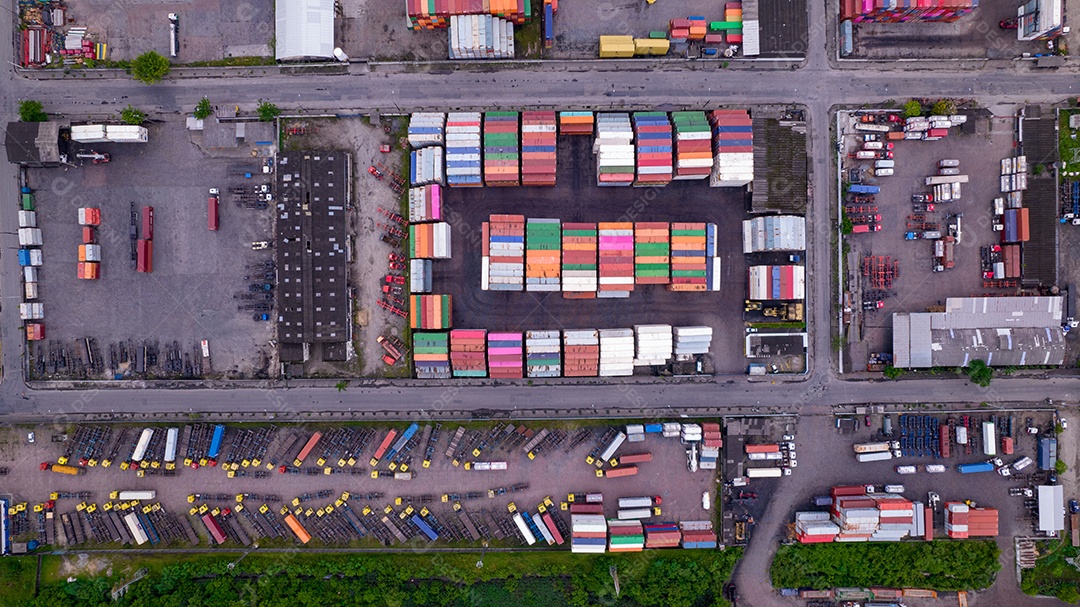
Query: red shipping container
(148, 223)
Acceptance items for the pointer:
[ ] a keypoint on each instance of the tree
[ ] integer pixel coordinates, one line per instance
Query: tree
(203, 109)
(1068, 594)
(943, 107)
(268, 111)
(847, 226)
(979, 373)
(912, 109)
(31, 110)
(1061, 467)
(150, 67)
(892, 372)
(132, 115)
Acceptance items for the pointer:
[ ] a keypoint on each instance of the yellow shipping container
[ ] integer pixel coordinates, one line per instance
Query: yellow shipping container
(651, 46)
(616, 47)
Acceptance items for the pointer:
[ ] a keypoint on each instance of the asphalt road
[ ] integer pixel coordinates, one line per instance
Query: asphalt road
(598, 85)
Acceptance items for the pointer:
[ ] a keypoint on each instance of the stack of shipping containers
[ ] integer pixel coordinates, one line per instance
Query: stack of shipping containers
(653, 345)
(781, 283)
(1017, 226)
(652, 253)
(425, 204)
(815, 528)
(662, 535)
(467, 352)
(89, 267)
(503, 263)
(711, 443)
(576, 123)
(480, 37)
(693, 145)
(543, 240)
(505, 355)
(429, 240)
(543, 355)
(903, 11)
(614, 150)
(588, 527)
(617, 47)
(580, 278)
(426, 166)
(697, 534)
(502, 154)
(463, 149)
(616, 352)
(426, 128)
(435, 14)
(431, 355)
(690, 341)
(538, 139)
(420, 276)
(653, 134)
(689, 262)
(963, 521)
(430, 312)
(733, 15)
(581, 353)
(733, 148)
(616, 259)
(625, 536)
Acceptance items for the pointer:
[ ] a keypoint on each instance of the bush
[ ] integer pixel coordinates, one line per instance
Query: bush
(892, 372)
(132, 115)
(912, 109)
(150, 67)
(847, 226)
(1060, 467)
(31, 110)
(203, 109)
(268, 111)
(943, 107)
(979, 373)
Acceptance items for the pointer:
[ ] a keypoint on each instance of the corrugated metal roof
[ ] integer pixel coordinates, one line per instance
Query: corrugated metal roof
(994, 312)
(901, 340)
(922, 345)
(774, 233)
(305, 29)
(1051, 508)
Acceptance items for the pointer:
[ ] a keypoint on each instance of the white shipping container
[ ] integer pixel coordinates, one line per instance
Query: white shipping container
(27, 219)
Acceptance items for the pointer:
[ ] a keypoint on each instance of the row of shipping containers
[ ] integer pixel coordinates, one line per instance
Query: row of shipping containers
(430, 312)
(502, 149)
(903, 11)
(568, 353)
(652, 131)
(435, 14)
(776, 283)
(733, 148)
(463, 149)
(431, 355)
(693, 145)
(542, 259)
(538, 153)
(425, 204)
(480, 37)
(429, 240)
(30, 259)
(503, 259)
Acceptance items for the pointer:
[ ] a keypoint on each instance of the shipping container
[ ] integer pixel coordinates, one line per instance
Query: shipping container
(306, 450)
(430, 312)
(976, 467)
(139, 452)
(989, 438)
(505, 355)
(543, 259)
(431, 355)
(297, 528)
(732, 147)
(621, 471)
(764, 472)
(873, 457)
(212, 213)
(215, 443)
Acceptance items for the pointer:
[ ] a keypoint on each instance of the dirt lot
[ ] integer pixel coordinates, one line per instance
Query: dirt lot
(362, 138)
(977, 35)
(209, 29)
(979, 146)
(555, 472)
(196, 272)
(577, 198)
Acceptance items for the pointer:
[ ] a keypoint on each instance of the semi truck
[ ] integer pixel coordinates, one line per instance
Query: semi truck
(212, 210)
(640, 502)
(62, 469)
(764, 472)
(989, 439)
(127, 496)
(170, 448)
(215, 444)
(139, 452)
(976, 467)
(612, 447)
(877, 456)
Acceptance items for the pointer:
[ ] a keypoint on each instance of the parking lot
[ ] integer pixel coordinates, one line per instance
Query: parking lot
(977, 36)
(210, 30)
(189, 296)
(576, 198)
(559, 468)
(979, 146)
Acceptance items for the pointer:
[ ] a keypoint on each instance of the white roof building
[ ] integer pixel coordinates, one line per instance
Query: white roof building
(1051, 508)
(305, 30)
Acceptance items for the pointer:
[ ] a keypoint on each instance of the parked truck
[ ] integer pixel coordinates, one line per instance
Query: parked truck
(139, 452)
(871, 447)
(127, 496)
(62, 469)
(640, 502)
(935, 468)
(877, 456)
(858, 188)
(976, 467)
(212, 210)
(764, 472)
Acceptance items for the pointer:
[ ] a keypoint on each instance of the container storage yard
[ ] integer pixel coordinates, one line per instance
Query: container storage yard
(509, 484)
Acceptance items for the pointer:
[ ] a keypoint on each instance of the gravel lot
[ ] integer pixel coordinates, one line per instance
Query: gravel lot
(577, 198)
(979, 147)
(189, 295)
(555, 472)
(209, 29)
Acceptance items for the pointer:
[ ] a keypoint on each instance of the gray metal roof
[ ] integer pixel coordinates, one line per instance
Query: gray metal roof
(986, 312)
(774, 233)
(1051, 508)
(305, 29)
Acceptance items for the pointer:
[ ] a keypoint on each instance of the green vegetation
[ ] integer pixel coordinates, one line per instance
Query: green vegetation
(794, 325)
(1053, 574)
(943, 107)
(1068, 143)
(938, 565)
(847, 226)
(980, 373)
(522, 579)
(1060, 467)
(16, 579)
(203, 109)
(268, 111)
(150, 67)
(31, 110)
(234, 62)
(342, 385)
(912, 109)
(892, 372)
(132, 115)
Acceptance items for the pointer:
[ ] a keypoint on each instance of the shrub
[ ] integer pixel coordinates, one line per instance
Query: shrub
(268, 111)
(150, 67)
(31, 110)
(132, 115)
(912, 109)
(203, 109)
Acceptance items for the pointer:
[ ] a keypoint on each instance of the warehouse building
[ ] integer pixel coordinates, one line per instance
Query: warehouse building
(312, 251)
(1051, 509)
(774, 233)
(33, 144)
(305, 30)
(1002, 331)
(780, 174)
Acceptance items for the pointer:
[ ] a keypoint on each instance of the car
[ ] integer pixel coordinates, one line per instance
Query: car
(1064, 423)
(1009, 24)
(1052, 477)
(870, 137)
(789, 437)
(1074, 507)
(30, 437)
(895, 118)
(922, 198)
(866, 419)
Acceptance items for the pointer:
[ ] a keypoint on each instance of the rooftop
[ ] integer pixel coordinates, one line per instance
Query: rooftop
(33, 143)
